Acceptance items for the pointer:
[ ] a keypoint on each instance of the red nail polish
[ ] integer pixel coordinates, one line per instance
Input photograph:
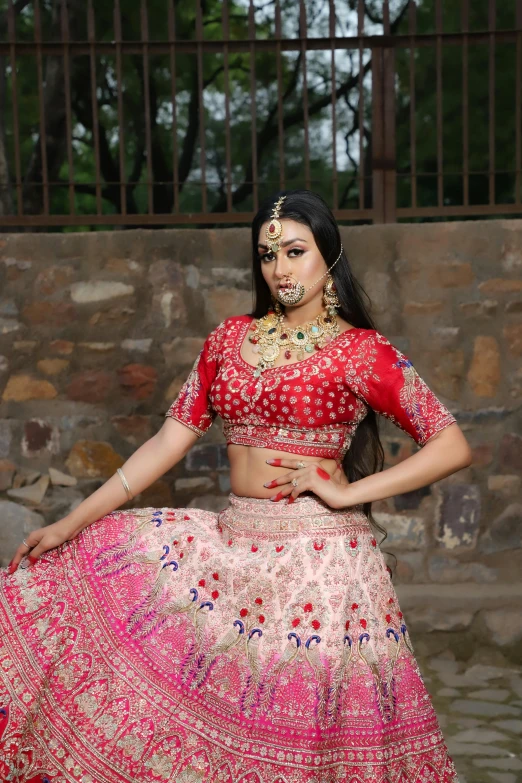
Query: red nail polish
(32, 560)
(11, 568)
(291, 499)
(271, 484)
(324, 475)
(276, 462)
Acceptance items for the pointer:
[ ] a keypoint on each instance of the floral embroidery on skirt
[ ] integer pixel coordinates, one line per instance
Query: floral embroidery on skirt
(263, 644)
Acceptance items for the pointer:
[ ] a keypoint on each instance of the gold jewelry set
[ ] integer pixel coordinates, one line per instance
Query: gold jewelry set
(269, 335)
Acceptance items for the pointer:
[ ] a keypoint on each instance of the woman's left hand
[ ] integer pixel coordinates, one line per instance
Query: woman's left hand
(332, 488)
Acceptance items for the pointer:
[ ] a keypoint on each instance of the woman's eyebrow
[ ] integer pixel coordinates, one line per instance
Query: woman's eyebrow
(284, 244)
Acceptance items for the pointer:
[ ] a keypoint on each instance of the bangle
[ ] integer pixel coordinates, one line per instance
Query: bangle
(125, 483)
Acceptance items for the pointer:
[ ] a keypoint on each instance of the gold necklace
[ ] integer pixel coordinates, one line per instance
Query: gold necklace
(269, 336)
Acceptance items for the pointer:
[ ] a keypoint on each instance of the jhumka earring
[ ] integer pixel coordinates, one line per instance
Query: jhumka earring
(330, 298)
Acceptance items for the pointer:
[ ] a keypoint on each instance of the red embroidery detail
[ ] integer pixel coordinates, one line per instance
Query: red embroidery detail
(230, 542)
(374, 542)
(363, 623)
(308, 607)
(254, 548)
(190, 539)
(259, 601)
(215, 594)
(355, 606)
(388, 618)
(316, 624)
(243, 612)
(353, 543)
(202, 583)
(280, 548)
(180, 555)
(261, 618)
(186, 517)
(400, 615)
(347, 624)
(175, 542)
(215, 575)
(318, 547)
(296, 621)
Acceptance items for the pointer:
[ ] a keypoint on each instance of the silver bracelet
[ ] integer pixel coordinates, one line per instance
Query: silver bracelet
(125, 483)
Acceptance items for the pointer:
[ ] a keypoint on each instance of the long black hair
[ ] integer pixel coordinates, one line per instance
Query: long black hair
(366, 454)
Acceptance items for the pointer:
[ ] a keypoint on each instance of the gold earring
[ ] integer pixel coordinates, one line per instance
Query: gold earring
(276, 306)
(330, 298)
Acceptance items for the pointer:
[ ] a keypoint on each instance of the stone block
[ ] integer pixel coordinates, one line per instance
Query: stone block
(52, 366)
(8, 307)
(92, 386)
(482, 455)
(4, 363)
(430, 618)
(99, 291)
(62, 347)
(32, 494)
(505, 532)
(500, 285)
(17, 523)
(59, 479)
(510, 453)
(514, 307)
(7, 472)
(138, 380)
(24, 387)
(447, 373)
(222, 302)
(137, 346)
(505, 625)
(40, 438)
(52, 279)
(195, 484)
(449, 570)
(459, 516)
(213, 503)
(513, 336)
(134, 428)
(484, 309)
(207, 457)
(49, 314)
(485, 369)
(5, 438)
(422, 308)
(182, 351)
(8, 325)
(450, 274)
(93, 459)
(404, 531)
(505, 484)
(168, 308)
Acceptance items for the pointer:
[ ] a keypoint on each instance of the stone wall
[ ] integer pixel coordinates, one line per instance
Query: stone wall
(99, 330)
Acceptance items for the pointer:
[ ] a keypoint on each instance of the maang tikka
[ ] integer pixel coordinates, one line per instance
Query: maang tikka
(293, 293)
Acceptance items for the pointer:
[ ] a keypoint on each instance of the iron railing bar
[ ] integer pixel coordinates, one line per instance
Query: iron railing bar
(412, 24)
(465, 100)
(173, 76)
(91, 33)
(253, 135)
(396, 41)
(491, 103)
(68, 109)
(360, 84)
(280, 127)
(303, 32)
(518, 104)
(226, 82)
(11, 31)
(201, 103)
(41, 103)
(438, 92)
(119, 77)
(144, 17)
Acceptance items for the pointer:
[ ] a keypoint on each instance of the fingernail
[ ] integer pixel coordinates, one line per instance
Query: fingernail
(269, 461)
(32, 560)
(278, 496)
(270, 484)
(11, 568)
(291, 499)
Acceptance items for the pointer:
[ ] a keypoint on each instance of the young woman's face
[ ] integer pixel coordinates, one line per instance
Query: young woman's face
(298, 259)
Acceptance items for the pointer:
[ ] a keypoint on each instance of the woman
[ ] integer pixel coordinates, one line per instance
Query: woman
(264, 643)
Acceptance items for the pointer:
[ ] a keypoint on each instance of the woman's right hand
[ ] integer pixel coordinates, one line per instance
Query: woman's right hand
(44, 539)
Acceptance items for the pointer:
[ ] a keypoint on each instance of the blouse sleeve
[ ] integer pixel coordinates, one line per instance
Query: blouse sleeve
(192, 407)
(386, 380)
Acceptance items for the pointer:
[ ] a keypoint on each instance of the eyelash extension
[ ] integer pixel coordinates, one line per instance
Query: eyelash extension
(265, 255)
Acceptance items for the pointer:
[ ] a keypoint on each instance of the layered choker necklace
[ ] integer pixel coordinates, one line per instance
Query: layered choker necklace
(269, 336)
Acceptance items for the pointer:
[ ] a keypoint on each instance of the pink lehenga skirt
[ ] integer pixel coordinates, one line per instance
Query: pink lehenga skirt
(263, 644)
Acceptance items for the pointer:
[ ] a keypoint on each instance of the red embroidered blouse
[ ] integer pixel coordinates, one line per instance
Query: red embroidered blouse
(310, 407)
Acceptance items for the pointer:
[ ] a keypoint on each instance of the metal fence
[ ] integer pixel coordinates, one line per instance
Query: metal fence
(100, 128)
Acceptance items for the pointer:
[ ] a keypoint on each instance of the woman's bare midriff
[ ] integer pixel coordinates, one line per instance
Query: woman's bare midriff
(249, 471)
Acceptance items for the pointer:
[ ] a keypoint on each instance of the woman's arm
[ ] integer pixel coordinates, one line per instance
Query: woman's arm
(444, 453)
(157, 455)
(154, 458)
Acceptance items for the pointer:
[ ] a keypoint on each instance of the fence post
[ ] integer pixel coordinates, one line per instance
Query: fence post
(383, 135)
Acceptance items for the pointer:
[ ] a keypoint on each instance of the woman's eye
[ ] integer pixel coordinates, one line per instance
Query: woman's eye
(270, 256)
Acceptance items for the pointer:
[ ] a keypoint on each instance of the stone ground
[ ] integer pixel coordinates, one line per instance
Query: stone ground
(479, 705)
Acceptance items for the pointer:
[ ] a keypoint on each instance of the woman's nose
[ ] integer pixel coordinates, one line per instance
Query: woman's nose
(282, 267)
